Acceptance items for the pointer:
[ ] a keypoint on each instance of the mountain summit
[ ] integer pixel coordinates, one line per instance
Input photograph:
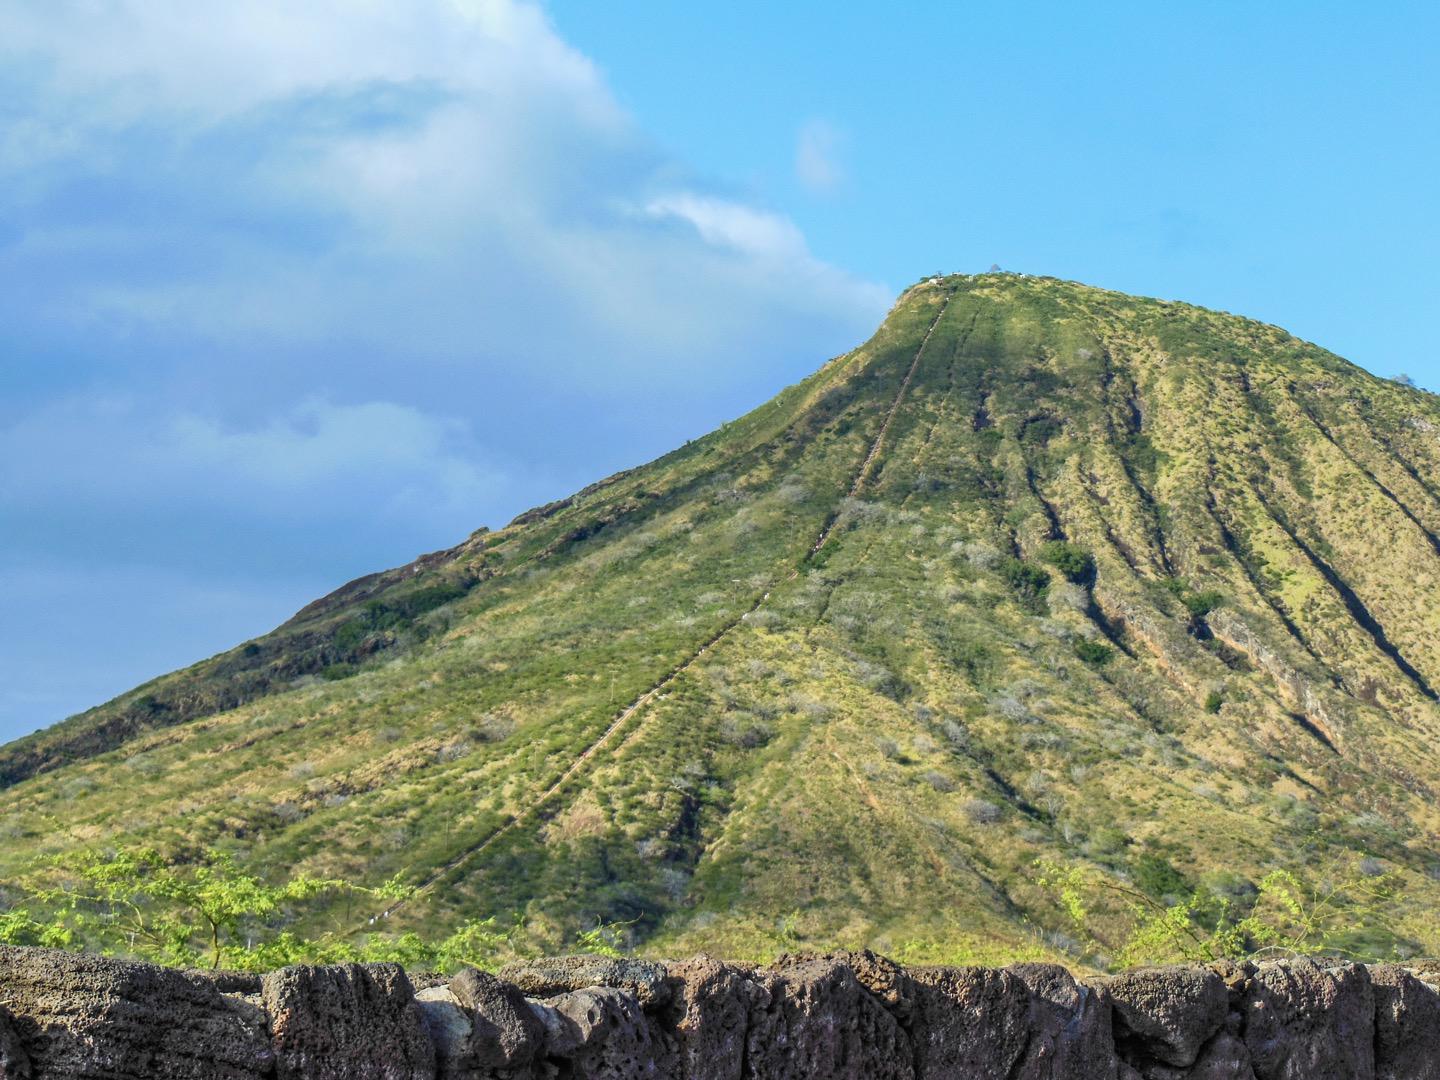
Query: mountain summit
(1038, 571)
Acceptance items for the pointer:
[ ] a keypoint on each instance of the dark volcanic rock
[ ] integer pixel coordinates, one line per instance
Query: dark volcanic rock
(603, 1034)
(1407, 1025)
(82, 1017)
(562, 974)
(1070, 1031)
(1223, 1058)
(505, 1032)
(1165, 1015)
(450, 1027)
(847, 1016)
(14, 1062)
(1308, 1022)
(971, 1022)
(232, 982)
(711, 1006)
(820, 1021)
(889, 983)
(347, 1022)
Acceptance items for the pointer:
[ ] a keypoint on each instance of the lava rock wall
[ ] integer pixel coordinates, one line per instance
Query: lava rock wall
(846, 1016)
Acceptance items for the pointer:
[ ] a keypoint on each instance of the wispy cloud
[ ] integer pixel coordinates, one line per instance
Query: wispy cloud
(732, 225)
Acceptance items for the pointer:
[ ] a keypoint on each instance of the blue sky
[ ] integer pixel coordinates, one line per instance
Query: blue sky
(297, 289)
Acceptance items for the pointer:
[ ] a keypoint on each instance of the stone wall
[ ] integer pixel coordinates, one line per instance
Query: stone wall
(851, 1015)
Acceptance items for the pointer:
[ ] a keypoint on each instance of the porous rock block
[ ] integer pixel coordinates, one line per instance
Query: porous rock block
(91, 1018)
(347, 1022)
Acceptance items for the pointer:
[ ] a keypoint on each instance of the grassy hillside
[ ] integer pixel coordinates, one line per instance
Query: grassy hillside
(1038, 571)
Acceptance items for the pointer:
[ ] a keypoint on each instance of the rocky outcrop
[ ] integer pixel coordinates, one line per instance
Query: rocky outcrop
(1407, 1025)
(88, 1018)
(845, 1016)
(1165, 1016)
(1307, 1022)
(973, 1022)
(505, 1031)
(345, 1021)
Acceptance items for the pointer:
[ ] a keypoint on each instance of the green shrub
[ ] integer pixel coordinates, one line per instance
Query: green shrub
(1157, 877)
(1213, 701)
(1144, 456)
(1285, 913)
(351, 633)
(1029, 582)
(395, 613)
(1198, 604)
(1109, 840)
(1092, 652)
(1202, 603)
(1072, 560)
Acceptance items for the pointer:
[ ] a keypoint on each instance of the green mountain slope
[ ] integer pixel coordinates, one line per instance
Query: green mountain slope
(1038, 571)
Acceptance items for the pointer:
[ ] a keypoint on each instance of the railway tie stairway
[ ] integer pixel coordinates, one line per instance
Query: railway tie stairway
(470, 853)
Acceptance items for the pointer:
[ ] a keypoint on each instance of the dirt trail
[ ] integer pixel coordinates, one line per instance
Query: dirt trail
(867, 468)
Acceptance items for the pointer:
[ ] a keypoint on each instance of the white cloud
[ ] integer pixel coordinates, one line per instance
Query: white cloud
(291, 290)
(733, 225)
(200, 59)
(451, 161)
(817, 150)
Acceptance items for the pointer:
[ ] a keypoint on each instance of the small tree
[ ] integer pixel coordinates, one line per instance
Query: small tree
(1288, 915)
(136, 901)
